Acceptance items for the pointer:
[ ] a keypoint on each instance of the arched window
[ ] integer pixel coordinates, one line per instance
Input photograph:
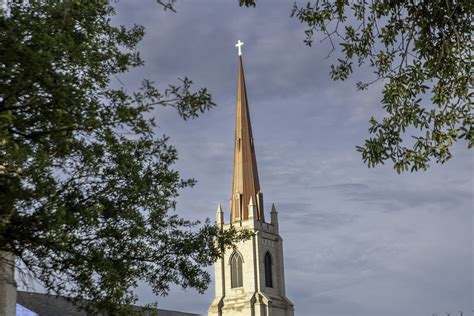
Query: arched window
(236, 270)
(268, 270)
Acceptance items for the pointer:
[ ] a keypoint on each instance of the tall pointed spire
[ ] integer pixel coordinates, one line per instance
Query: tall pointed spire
(245, 184)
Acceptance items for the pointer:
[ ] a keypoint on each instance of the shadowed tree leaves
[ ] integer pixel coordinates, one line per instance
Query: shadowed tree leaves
(422, 52)
(85, 186)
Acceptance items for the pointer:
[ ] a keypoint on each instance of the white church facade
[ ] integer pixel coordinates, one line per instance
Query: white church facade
(249, 280)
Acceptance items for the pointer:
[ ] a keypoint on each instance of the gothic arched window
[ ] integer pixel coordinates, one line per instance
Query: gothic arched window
(268, 270)
(236, 270)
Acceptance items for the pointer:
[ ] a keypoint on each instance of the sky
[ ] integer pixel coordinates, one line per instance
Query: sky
(357, 241)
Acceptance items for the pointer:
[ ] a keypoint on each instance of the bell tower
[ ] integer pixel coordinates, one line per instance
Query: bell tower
(250, 280)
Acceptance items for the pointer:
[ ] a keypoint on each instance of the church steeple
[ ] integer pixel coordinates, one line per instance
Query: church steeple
(249, 278)
(245, 184)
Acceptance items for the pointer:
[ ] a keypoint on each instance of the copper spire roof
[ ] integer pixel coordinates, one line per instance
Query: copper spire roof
(245, 184)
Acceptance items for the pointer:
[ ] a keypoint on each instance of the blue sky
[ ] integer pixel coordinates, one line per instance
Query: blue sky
(23, 311)
(357, 241)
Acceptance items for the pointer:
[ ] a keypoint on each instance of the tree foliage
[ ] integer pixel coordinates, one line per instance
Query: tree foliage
(422, 51)
(85, 185)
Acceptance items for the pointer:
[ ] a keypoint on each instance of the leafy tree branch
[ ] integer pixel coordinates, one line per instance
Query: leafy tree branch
(422, 51)
(86, 188)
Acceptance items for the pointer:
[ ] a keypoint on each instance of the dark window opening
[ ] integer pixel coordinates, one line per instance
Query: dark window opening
(268, 270)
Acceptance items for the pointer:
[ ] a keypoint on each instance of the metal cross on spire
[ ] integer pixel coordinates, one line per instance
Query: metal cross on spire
(239, 47)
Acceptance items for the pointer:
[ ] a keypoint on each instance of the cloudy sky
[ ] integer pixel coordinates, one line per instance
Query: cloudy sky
(358, 241)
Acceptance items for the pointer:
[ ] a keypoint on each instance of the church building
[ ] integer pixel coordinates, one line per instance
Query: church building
(250, 280)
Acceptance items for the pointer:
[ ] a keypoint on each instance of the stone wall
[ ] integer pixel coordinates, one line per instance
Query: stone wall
(7, 284)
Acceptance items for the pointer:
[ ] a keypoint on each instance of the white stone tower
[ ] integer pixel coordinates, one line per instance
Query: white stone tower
(250, 280)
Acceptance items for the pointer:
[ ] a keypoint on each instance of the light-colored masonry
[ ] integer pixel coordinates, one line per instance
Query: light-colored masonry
(7, 284)
(254, 298)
